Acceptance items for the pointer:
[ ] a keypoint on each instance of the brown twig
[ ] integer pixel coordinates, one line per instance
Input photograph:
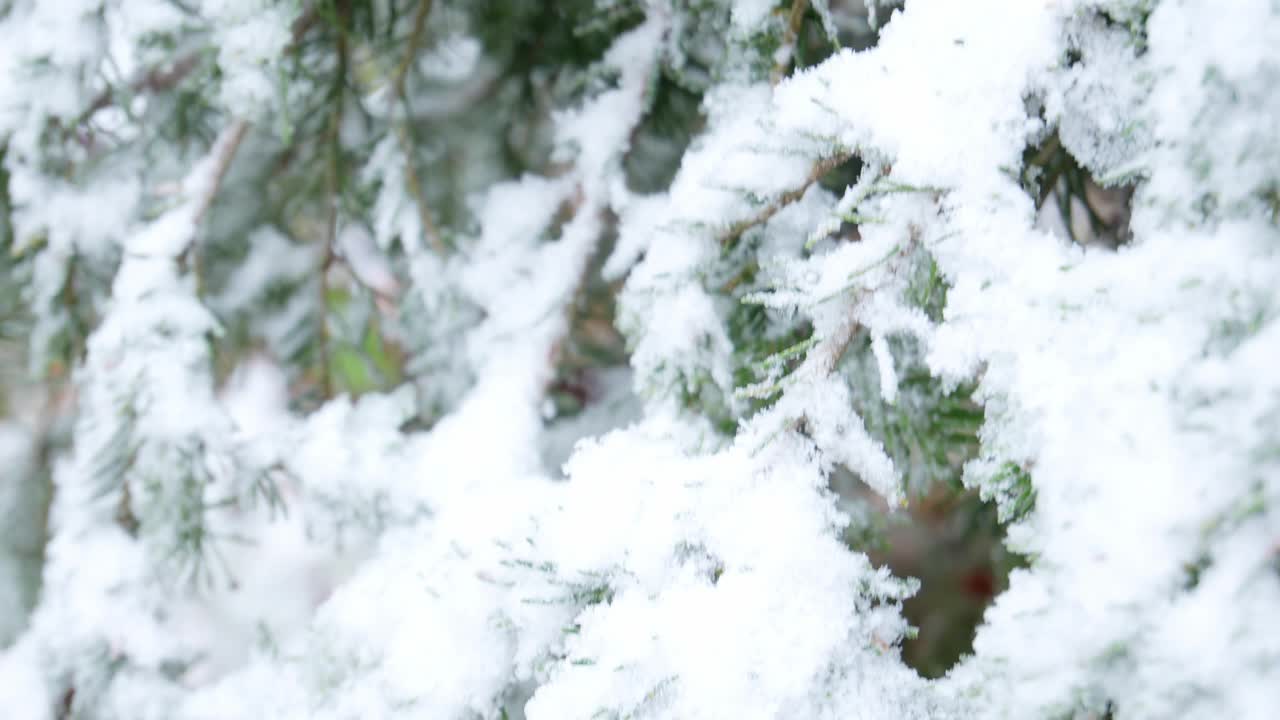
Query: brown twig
(164, 77)
(425, 217)
(420, 15)
(823, 167)
(153, 80)
(403, 134)
(787, 52)
(826, 355)
(333, 181)
(224, 149)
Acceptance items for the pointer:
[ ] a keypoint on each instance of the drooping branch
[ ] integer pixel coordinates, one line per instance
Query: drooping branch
(786, 53)
(210, 183)
(404, 135)
(333, 187)
(168, 75)
(420, 15)
(224, 150)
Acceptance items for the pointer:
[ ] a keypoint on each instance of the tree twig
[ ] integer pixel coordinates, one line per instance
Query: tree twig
(420, 15)
(787, 52)
(403, 133)
(156, 79)
(823, 167)
(224, 149)
(163, 77)
(333, 180)
(425, 217)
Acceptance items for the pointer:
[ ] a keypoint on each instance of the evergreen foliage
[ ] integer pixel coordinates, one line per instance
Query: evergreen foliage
(593, 358)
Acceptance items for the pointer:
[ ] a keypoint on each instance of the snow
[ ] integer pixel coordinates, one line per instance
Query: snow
(676, 550)
(251, 36)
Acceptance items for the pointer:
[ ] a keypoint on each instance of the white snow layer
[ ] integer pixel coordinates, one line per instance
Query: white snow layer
(670, 574)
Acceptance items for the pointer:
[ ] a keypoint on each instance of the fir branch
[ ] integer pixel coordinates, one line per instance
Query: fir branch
(425, 217)
(786, 53)
(403, 131)
(166, 76)
(224, 150)
(735, 231)
(420, 15)
(827, 353)
(333, 186)
(154, 80)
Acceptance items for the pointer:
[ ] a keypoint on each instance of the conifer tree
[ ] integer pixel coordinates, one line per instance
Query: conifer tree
(587, 359)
